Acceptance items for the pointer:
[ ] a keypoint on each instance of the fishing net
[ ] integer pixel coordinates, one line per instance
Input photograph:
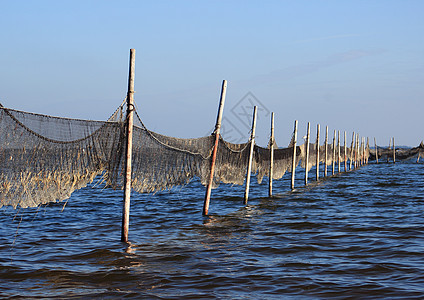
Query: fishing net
(283, 161)
(44, 159)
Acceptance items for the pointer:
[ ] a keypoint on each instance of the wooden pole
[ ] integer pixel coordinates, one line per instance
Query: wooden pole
(351, 151)
(252, 146)
(334, 152)
(367, 147)
(128, 150)
(394, 151)
(215, 148)
(326, 152)
(338, 149)
(376, 150)
(307, 152)
(293, 171)
(388, 152)
(317, 150)
(355, 162)
(271, 153)
(359, 151)
(345, 153)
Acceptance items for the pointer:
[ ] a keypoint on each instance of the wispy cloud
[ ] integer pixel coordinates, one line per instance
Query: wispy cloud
(325, 38)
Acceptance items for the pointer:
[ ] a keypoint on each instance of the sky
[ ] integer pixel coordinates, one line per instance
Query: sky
(354, 66)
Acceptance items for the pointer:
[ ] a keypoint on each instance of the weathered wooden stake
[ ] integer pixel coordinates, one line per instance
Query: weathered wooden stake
(376, 150)
(271, 159)
(215, 148)
(367, 147)
(326, 152)
(390, 143)
(252, 146)
(351, 151)
(128, 150)
(394, 151)
(334, 152)
(355, 162)
(345, 153)
(338, 150)
(317, 150)
(293, 171)
(307, 152)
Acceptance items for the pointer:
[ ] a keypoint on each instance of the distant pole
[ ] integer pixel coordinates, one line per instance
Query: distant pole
(367, 147)
(334, 152)
(388, 150)
(355, 162)
(376, 150)
(294, 155)
(307, 153)
(338, 150)
(326, 152)
(271, 151)
(318, 129)
(351, 151)
(394, 151)
(215, 148)
(252, 146)
(128, 154)
(345, 153)
(359, 152)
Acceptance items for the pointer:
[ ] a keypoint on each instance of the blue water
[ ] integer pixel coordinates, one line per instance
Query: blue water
(354, 235)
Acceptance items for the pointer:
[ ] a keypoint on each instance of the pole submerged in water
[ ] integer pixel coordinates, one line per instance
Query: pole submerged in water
(271, 158)
(294, 155)
(317, 150)
(326, 152)
(307, 153)
(252, 146)
(128, 157)
(394, 151)
(376, 150)
(334, 153)
(215, 148)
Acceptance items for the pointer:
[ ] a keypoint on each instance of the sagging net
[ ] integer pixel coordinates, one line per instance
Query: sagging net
(44, 159)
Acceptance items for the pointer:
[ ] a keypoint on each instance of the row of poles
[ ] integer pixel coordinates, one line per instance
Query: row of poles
(357, 149)
(358, 161)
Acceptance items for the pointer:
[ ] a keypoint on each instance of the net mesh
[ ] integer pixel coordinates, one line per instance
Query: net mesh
(44, 159)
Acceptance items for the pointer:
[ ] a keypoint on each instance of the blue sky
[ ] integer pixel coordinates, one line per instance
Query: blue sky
(352, 65)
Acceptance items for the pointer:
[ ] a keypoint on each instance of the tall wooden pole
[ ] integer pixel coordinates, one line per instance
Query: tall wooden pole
(338, 150)
(345, 153)
(326, 152)
(388, 152)
(394, 151)
(376, 150)
(317, 150)
(252, 146)
(334, 152)
(128, 154)
(293, 170)
(271, 158)
(215, 148)
(307, 152)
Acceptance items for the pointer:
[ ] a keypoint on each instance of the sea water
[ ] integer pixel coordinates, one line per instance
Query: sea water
(357, 234)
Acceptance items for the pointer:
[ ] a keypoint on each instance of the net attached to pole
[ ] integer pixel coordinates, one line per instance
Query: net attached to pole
(44, 159)
(161, 162)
